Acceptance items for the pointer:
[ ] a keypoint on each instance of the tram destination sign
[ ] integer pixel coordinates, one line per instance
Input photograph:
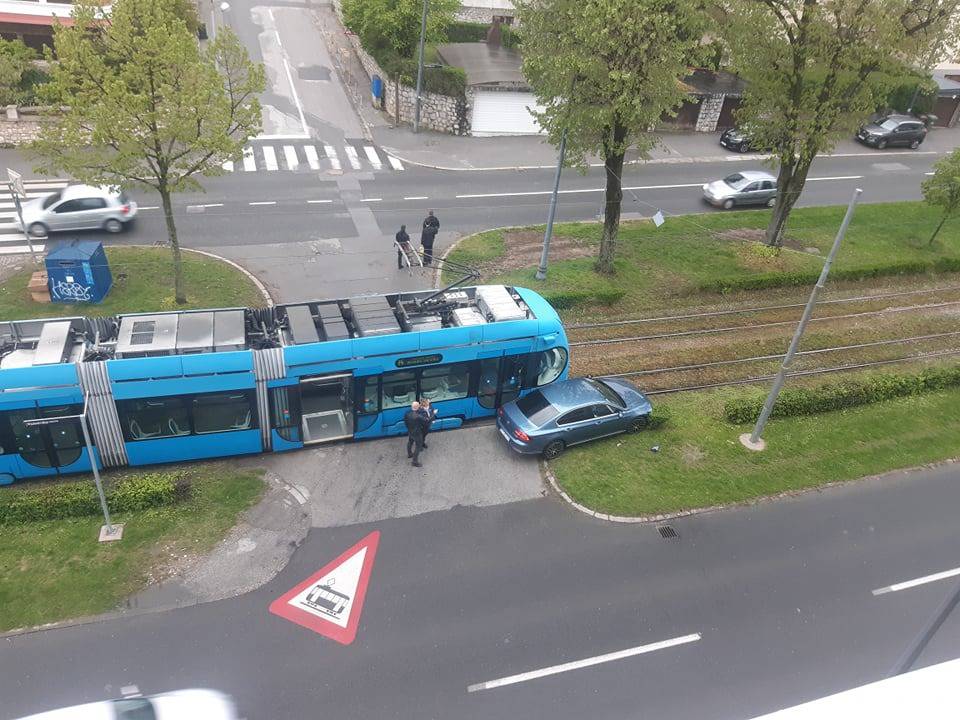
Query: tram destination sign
(419, 360)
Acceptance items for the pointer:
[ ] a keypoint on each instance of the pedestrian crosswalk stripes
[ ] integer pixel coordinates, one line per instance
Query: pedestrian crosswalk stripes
(12, 239)
(318, 157)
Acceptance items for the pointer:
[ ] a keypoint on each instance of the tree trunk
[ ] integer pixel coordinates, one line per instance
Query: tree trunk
(179, 293)
(790, 181)
(937, 231)
(613, 199)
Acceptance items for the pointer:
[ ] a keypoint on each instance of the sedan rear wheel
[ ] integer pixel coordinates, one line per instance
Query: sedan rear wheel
(113, 225)
(554, 449)
(744, 147)
(915, 144)
(771, 202)
(728, 203)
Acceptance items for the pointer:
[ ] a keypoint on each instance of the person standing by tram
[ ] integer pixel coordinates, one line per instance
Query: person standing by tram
(403, 246)
(416, 430)
(431, 226)
(429, 415)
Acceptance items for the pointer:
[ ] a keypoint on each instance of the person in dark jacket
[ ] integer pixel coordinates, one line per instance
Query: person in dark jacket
(429, 415)
(416, 429)
(403, 241)
(431, 226)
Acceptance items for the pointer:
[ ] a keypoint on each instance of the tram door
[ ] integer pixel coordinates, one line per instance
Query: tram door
(49, 445)
(326, 403)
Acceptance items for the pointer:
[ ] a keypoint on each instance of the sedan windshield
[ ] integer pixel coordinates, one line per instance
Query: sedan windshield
(889, 125)
(608, 392)
(51, 199)
(537, 408)
(735, 180)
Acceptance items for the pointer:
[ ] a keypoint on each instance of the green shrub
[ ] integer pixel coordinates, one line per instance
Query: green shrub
(851, 393)
(78, 498)
(509, 36)
(808, 277)
(444, 80)
(458, 32)
(567, 299)
(659, 416)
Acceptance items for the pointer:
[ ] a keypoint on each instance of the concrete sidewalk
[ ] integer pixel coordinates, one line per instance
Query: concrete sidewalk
(451, 152)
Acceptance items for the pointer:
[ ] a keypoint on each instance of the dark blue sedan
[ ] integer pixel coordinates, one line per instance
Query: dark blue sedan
(551, 419)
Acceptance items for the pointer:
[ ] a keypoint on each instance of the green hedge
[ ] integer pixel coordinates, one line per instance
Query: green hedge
(78, 498)
(444, 80)
(808, 277)
(566, 299)
(810, 401)
(458, 32)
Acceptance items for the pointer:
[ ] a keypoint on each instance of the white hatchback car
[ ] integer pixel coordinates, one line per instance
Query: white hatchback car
(78, 207)
(193, 704)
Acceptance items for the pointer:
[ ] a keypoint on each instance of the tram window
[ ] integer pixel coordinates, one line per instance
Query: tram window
(399, 389)
(28, 440)
(445, 382)
(369, 393)
(487, 391)
(66, 434)
(285, 412)
(511, 377)
(550, 363)
(222, 412)
(152, 418)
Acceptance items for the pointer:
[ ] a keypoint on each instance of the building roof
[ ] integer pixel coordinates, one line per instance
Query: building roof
(27, 12)
(484, 64)
(948, 82)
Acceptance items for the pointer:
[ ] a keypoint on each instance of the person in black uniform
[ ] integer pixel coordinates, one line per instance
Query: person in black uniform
(429, 415)
(431, 226)
(403, 240)
(416, 428)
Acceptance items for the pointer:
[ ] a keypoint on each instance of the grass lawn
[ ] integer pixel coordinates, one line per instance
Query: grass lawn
(56, 570)
(701, 461)
(688, 251)
(142, 281)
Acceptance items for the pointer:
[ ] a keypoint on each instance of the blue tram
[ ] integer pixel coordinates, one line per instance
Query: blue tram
(174, 386)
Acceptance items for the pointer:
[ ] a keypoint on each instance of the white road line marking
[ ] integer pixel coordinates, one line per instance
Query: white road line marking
(587, 662)
(301, 136)
(928, 173)
(907, 584)
(270, 13)
(20, 249)
(39, 185)
(290, 155)
(249, 163)
(227, 165)
(316, 202)
(416, 197)
(269, 157)
(213, 205)
(148, 207)
(371, 199)
(264, 202)
(279, 42)
(296, 98)
(351, 152)
(582, 190)
(395, 163)
(332, 156)
(837, 177)
(312, 160)
(8, 225)
(372, 156)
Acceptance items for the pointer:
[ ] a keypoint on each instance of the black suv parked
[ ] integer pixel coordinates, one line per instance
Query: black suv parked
(893, 130)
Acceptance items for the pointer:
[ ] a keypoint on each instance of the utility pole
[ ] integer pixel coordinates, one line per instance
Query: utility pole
(423, 39)
(548, 233)
(15, 183)
(753, 441)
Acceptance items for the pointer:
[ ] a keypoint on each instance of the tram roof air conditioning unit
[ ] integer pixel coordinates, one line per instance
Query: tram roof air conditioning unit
(496, 302)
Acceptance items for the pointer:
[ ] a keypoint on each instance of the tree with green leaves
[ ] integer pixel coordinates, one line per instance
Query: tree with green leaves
(815, 69)
(605, 72)
(942, 189)
(16, 59)
(395, 24)
(144, 105)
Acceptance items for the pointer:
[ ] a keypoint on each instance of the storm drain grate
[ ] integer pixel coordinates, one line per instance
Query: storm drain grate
(667, 531)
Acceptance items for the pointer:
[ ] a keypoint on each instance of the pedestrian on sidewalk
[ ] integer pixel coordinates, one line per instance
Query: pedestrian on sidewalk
(431, 226)
(429, 415)
(416, 428)
(403, 247)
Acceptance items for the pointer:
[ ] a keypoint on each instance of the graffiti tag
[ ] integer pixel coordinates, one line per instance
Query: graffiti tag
(63, 290)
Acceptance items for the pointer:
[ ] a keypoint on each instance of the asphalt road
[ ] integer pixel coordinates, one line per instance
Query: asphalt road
(780, 594)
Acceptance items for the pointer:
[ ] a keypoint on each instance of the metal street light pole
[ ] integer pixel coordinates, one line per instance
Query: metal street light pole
(548, 233)
(15, 184)
(423, 39)
(753, 440)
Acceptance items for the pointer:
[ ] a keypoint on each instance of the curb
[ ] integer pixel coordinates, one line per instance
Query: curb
(727, 506)
(250, 276)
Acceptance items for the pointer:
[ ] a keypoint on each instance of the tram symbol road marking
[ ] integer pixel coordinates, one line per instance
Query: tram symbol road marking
(330, 601)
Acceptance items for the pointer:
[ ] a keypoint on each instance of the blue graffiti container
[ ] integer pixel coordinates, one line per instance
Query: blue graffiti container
(77, 272)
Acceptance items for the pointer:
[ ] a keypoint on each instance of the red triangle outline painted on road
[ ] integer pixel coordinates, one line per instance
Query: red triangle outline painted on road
(344, 635)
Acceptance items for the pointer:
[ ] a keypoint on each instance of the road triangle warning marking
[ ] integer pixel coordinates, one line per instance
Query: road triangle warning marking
(330, 601)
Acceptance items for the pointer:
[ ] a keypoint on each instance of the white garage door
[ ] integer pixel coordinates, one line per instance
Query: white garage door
(504, 113)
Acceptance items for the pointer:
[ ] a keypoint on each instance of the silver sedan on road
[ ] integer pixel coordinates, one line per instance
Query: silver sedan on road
(749, 187)
(78, 207)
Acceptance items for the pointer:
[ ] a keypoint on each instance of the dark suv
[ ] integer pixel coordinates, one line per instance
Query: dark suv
(893, 130)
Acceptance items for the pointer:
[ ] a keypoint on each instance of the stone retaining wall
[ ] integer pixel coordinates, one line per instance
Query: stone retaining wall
(19, 126)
